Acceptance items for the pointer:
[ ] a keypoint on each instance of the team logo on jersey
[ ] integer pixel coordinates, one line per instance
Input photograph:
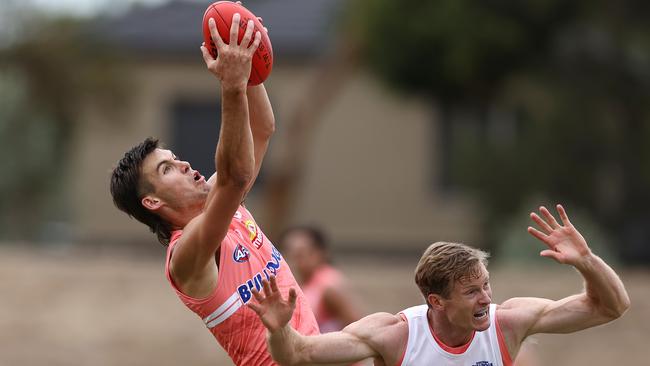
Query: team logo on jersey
(271, 268)
(237, 215)
(241, 254)
(483, 363)
(255, 234)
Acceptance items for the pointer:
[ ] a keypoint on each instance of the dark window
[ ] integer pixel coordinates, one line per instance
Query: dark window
(195, 132)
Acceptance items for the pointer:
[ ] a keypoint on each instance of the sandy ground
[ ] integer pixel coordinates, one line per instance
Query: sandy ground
(68, 308)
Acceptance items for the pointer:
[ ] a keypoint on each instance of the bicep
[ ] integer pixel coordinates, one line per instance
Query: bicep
(334, 348)
(568, 315)
(528, 316)
(203, 235)
(358, 341)
(260, 145)
(221, 205)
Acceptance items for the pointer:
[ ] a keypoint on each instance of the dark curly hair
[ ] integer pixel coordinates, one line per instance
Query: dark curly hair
(316, 235)
(128, 187)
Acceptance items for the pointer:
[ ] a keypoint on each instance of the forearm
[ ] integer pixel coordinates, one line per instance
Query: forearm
(603, 287)
(261, 113)
(290, 348)
(287, 346)
(262, 125)
(234, 155)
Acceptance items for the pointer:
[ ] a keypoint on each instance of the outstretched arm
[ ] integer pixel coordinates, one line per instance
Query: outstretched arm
(289, 347)
(603, 300)
(262, 124)
(192, 262)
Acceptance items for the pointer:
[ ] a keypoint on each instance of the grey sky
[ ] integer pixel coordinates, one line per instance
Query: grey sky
(88, 7)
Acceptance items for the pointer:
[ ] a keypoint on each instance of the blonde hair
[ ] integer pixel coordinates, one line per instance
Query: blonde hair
(443, 263)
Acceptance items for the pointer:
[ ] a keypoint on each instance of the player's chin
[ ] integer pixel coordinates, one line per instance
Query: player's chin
(482, 326)
(481, 323)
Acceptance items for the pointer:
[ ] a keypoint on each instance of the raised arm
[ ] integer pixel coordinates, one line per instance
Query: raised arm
(193, 257)
(262, 124)
(604, 298)
(355, 342)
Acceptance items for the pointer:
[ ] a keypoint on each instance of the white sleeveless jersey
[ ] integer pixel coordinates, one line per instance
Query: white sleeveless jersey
(423, 350)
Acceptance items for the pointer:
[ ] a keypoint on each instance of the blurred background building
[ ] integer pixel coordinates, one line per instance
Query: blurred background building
(398, 125)
(450, 122)
(359, 158)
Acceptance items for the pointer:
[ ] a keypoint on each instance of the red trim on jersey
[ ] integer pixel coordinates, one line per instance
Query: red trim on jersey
(505, 355)
(399, 363)
(453, 350)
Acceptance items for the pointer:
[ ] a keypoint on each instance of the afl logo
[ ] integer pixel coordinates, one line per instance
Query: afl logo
(241, 254)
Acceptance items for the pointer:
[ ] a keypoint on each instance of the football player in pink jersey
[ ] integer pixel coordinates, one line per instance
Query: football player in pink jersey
(217, 255)
(324, 286)
(458, 325)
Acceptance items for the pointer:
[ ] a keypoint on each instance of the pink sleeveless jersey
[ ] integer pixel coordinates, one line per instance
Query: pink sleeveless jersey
(246, 257)
(324, 277)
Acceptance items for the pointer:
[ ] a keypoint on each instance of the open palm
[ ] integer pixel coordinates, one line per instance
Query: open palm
(565, 244)
(274, 311)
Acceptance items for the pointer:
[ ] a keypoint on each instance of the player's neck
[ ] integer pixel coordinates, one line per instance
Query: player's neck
(447, 333)
(179, 218)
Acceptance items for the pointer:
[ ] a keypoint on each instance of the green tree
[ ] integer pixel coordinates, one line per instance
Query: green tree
(537, 97)
(45, 74)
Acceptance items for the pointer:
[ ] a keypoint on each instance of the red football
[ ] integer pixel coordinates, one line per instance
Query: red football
(222, 12)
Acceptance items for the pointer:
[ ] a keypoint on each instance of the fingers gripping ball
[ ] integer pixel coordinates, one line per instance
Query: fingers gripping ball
(222, 12)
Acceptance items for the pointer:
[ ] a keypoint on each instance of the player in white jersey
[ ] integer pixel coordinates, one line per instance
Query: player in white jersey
(458, 325)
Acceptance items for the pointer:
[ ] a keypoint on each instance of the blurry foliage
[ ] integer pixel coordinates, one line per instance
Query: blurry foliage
(516, 245)
(537, 97)
(44, 76)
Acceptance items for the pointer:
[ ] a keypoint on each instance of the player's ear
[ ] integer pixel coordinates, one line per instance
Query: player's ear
(435, 301)
(151, 203)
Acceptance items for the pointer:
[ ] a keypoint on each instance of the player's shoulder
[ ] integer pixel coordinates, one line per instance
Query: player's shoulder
(386, 333)
(374, 328)
(521, 302)
(386, 319)
(372, 322)
(519, 310)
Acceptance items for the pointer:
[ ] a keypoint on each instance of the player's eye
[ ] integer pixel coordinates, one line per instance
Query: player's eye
(166, 169)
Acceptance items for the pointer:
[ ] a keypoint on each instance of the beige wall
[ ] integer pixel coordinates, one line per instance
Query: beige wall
(107, 134)
(371, 172)
(370, 166)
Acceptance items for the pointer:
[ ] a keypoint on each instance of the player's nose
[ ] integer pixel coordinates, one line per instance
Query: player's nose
(486, 297)
(185, 166)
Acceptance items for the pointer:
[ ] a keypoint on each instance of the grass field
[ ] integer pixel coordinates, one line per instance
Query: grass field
(70, 307)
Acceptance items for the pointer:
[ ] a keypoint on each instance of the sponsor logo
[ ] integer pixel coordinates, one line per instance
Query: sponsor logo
(270, 269)
(483, 363)
(255, 234)
(240, 254)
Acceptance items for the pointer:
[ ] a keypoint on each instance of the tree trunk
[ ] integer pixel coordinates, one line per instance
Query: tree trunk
(279, 191)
